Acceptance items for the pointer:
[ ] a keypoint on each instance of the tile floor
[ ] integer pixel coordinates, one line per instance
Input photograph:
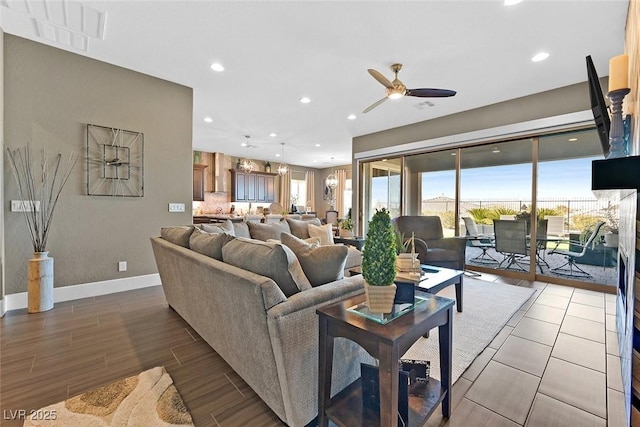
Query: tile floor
(555, 363)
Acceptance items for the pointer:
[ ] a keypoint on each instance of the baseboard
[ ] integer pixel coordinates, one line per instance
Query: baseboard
(3, 309)
(86, 290)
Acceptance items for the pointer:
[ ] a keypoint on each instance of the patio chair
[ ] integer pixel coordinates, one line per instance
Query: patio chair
(570, 268)
(478, 240)
(511, 241)
(431, 245)
(555, 225)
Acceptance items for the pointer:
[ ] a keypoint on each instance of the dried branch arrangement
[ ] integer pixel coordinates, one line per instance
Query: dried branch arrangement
(40, 183)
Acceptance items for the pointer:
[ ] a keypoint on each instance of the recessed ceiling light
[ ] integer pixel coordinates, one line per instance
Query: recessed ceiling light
(277, 154)
(573, 139)
(317, 145)
(305, 100)
(314, 161)
(511, 2)
(495, 150)
(384, 160)
(208, 119)
(272, 134)
(351, 117)
(244, 144)
(453, 154)
(216, 66)
(541, 56)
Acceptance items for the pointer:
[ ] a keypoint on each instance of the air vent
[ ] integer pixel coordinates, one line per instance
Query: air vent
(69, 23)
(424, 104)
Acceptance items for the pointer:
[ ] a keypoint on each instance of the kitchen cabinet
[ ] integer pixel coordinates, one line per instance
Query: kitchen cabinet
(199, 182)
(216, 175)
(253, 187)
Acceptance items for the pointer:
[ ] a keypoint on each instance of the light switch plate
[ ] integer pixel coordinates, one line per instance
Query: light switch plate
(24, 205)
(176, 207)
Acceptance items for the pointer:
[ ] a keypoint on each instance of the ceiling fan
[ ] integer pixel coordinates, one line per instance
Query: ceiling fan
(396, 89)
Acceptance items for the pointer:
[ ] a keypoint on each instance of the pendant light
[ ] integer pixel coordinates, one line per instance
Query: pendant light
(282, 168)
(332, 179)
(247, 164)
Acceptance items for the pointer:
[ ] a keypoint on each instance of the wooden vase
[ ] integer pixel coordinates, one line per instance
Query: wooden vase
(380, 298)
(40, 283)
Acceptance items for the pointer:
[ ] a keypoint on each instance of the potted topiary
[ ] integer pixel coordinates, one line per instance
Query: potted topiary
(379, 263)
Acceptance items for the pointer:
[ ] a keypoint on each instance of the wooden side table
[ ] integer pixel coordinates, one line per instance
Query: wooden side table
(387, 343)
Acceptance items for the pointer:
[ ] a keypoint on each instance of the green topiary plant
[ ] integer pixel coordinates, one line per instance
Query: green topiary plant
(379, 255)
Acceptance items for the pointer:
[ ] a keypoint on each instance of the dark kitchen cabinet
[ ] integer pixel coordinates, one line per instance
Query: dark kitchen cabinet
(252, 187)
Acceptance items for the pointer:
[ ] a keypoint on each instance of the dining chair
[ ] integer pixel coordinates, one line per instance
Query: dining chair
(511, 241)
(272, 218)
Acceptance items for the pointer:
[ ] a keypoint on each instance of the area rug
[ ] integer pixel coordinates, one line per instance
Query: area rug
(148, 399)
(488, 306)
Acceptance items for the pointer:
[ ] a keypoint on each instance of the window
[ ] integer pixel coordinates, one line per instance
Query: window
(298, 191)
(348, 191)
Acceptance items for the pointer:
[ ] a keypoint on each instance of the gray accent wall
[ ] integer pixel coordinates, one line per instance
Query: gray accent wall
(2, 173)
(50, 96)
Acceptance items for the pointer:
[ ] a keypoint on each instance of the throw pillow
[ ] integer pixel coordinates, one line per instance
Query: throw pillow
(299, 228)
(324, 232)
(209, 244)
(265, 232)
(223, 227)
(321, 264)
(241, 229)
(178, 235)
(274, 261)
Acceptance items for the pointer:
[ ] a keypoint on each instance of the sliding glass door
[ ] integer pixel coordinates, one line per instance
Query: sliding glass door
(565, 200)
(382, 188)
(495, 186)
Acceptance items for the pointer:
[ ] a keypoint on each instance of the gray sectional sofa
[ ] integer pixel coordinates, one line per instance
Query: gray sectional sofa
(264, 325)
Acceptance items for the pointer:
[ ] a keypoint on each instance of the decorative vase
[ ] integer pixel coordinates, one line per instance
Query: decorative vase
(40, 283)
(380, 298)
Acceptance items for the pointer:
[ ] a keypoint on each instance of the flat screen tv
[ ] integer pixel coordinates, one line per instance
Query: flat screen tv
(598, 107)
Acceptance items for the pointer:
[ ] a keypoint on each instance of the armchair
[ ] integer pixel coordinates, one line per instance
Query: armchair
(432, 247)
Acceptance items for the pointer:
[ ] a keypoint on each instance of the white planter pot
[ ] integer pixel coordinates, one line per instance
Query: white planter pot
(40, 283)
(346, 233)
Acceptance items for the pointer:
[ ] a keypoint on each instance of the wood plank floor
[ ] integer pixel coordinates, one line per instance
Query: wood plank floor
(554, 363)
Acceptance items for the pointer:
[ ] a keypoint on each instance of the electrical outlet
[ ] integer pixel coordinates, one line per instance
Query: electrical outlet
(176, 207)
(24, 205)
(122, 266)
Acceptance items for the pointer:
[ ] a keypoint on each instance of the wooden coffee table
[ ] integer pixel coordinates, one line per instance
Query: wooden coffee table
(432, 280)
(387, 343)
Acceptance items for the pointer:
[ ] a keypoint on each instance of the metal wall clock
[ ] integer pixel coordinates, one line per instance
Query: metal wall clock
(115, 162)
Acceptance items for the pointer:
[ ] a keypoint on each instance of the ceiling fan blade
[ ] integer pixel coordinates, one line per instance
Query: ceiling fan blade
(379, 77)
(430, 93)
(374, 105)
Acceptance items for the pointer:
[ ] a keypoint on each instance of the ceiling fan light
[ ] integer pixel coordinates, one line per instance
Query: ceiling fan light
(395, 95)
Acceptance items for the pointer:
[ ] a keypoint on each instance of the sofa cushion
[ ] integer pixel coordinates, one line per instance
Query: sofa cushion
(321, 264)
(209, 244)
(271, 260)
(265, 232)
(299, 228)
(178, 235)
(324, 232)
(223, 227)
(241, 229)
(354, 258)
